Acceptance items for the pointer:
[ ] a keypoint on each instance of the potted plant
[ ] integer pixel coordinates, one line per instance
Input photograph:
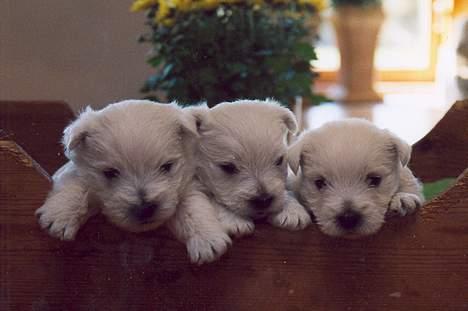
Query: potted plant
(357, 24)
(218, 50)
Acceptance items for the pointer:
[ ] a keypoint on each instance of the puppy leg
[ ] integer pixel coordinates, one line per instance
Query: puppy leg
(233, 224)
(409, 196)
(66, 207)
(293, 216)
(196, 225)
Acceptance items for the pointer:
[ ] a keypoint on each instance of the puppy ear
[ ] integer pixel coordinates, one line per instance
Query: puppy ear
(200, 117)
(75, 134)
(188, 125)
(290, 120)
(400, 148)
(295, 155)
(286, 116)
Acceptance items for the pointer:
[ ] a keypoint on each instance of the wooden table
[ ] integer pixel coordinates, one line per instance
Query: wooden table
(414, 263)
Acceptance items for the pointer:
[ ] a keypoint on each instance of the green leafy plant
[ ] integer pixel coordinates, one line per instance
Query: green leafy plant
(338, 3)
(226, 51)
(433, 189)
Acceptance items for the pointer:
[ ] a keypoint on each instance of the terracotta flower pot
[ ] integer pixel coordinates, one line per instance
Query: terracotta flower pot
(357, 30)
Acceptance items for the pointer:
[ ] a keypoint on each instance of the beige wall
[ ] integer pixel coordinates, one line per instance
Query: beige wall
(82, 51)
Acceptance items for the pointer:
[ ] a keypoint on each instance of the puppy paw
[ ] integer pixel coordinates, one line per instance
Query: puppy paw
(238, 227)
(403, 204)
(207, 249)
(58, 221)
(293, 217)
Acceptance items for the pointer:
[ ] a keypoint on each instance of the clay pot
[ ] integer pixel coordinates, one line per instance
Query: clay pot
(357, 30)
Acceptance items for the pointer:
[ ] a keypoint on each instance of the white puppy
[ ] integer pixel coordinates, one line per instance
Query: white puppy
(351, 175)
(242, 164)
(133, 161)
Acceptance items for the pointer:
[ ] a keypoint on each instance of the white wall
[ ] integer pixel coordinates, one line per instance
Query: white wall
(82, 51)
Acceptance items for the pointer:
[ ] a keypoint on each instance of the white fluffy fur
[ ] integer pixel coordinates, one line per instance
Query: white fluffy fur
(137, 138)
(344, 153)
(251, 135)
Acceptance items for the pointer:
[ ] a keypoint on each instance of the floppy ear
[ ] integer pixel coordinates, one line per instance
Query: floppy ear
(286, 115)
(401, 148)
(289, 120)
(295, 155)
(75, 134)
(200, 117)
(188, 125)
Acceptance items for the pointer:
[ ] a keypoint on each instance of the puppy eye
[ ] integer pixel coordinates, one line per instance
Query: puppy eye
(373, 180)
(320, 183)
(280, 160)
(111, 173)
(166, 167)
(229, 168)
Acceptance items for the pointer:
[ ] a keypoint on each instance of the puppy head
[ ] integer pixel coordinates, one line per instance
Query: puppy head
(135, 157)
(349, 171)
(243, 154)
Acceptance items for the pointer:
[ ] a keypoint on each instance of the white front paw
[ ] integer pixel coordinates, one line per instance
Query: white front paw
(404, 203)
(293, 217)
(203, 249)
(237, 227)
(59, 222)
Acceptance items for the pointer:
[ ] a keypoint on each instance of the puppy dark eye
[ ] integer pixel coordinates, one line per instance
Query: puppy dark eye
(373, 181)
(111, 173)
(279, 162)
(320, 183)
(229, 168)
(166, 167)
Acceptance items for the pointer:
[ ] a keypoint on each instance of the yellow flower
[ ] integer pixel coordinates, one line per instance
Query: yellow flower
(232, 1)
(184, 5)
(168, 22)
(318, 4)
(163, 10)
(167, 10)
(209, 4)
(140, 5)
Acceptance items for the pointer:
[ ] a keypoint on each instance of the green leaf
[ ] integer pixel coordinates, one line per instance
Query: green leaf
(237, 67)
(278, 63)
(151, 83)
(319, 98)
(155, 61)
(166, 71)
(266, 52)
(432, 189)
(239, 53)
(305, 51)
(302, 66)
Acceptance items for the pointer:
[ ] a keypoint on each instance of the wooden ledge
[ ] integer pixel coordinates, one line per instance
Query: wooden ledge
(37, 127)
(415, 263)
(443, 152)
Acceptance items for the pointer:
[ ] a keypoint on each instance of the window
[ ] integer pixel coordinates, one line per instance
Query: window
(406, 48)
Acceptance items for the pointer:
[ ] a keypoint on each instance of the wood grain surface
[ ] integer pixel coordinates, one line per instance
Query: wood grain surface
(415, 263)
(37, 127)
(444, 151)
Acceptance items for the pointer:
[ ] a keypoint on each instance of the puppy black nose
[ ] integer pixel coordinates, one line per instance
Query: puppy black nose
(262, 201)
(144, 211)
(349, 219)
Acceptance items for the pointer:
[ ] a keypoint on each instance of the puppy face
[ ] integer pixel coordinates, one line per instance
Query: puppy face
(349, 173)
(135, 156)
(243, 155)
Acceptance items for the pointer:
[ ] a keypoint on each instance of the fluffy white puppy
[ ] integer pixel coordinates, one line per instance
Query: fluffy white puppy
(350, 174)
(242, 164)
(133, 161)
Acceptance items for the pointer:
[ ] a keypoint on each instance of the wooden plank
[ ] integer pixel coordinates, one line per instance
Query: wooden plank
(37, 127)
(444, 151)
(414, 263)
